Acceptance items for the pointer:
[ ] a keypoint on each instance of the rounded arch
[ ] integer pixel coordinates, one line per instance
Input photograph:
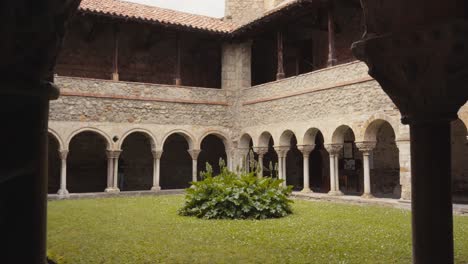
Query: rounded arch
(310, 136)
(145, 132)
(340, 133)
(244, 141)
(189, 137)
(57, 137)
(264, 139)
(285, 138)
(91, 129)
(218, 134)
(372, 127)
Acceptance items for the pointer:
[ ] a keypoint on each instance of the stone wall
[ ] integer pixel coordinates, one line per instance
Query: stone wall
(90, 100)
(242, 11)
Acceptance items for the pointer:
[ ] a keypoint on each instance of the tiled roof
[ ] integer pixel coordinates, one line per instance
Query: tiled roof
(141, 12)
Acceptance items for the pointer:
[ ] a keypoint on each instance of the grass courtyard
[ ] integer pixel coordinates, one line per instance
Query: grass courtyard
(148, 230)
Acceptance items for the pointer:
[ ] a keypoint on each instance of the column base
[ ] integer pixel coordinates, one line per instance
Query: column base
(367, 196)
(63, 193)
(335, 193)
(306, 190)
(155, 188)
(112, 190)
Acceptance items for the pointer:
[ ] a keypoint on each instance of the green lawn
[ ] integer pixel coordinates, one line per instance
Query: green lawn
(148, 230)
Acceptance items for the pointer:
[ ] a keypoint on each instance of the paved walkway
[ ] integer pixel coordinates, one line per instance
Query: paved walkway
(460, 209)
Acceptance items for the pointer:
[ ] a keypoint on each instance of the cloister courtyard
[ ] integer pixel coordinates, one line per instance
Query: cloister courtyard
(148, 230)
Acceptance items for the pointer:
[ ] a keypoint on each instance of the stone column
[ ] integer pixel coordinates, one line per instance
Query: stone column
(194, 154)
(116, 155)
(261, 153)
(110, 171)
(63, 192)
(405, 168)
(280, 153)
(423, 70)
(366, 148)
(333, 150)
(285, 155)
(306, 149)
(156, 169)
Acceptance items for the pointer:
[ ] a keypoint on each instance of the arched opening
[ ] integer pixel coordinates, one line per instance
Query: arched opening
(459, 140)
(270, 159)
(176, 163)
(246, 144)
(135, 172)
(212, 150)
(294, 165)
(87, 163)
(54, 165)
(319, 166)
(350, 165)
(385, 164)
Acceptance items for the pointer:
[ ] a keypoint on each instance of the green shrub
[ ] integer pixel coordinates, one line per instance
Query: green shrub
(238, 195)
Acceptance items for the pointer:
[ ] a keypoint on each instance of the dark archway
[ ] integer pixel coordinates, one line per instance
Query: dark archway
(212, 150)
(54, 165)
(350, 164)
(459, 140)
(136, 163)
(294, 166)
(87, 163)
(176, 163)
(319, 166)
(385, 164)
(270, 161)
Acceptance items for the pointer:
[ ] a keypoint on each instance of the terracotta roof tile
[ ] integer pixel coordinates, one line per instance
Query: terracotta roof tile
(155, 14)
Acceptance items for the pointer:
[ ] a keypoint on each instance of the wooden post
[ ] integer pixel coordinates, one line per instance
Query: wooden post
(331, 39)
(115, 66)
(177, 79)
(280, 71)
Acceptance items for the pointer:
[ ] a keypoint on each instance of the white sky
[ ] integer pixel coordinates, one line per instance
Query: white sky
(214, 8)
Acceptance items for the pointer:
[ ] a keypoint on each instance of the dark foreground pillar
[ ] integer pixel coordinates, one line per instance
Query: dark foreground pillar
(23, 174)
(431, 192)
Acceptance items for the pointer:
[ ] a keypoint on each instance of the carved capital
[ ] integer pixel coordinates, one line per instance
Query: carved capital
(113, 154)
(366, 146)
(261, 151)
(423, 71)
(63, 154)
(243, 151)
(333, 149)
(194, 153)
(306, 149)
(282, 151)
(157, 153)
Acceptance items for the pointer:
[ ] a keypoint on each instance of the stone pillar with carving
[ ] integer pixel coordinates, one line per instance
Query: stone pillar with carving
(306, 149)
(63, 192)
(366, 147)
(404, 153)
(424, 70)
(194, 154)
(333, 151)
(280, 152)
(156, 169)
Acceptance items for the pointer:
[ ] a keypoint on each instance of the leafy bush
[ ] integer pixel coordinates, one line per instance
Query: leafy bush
(238, 195)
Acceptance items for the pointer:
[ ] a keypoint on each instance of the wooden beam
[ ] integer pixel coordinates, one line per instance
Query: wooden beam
(331, 39)
(178, 79)
(115, 57)
(280, 71)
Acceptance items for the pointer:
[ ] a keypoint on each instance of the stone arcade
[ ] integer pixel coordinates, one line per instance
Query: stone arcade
(148, 98)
